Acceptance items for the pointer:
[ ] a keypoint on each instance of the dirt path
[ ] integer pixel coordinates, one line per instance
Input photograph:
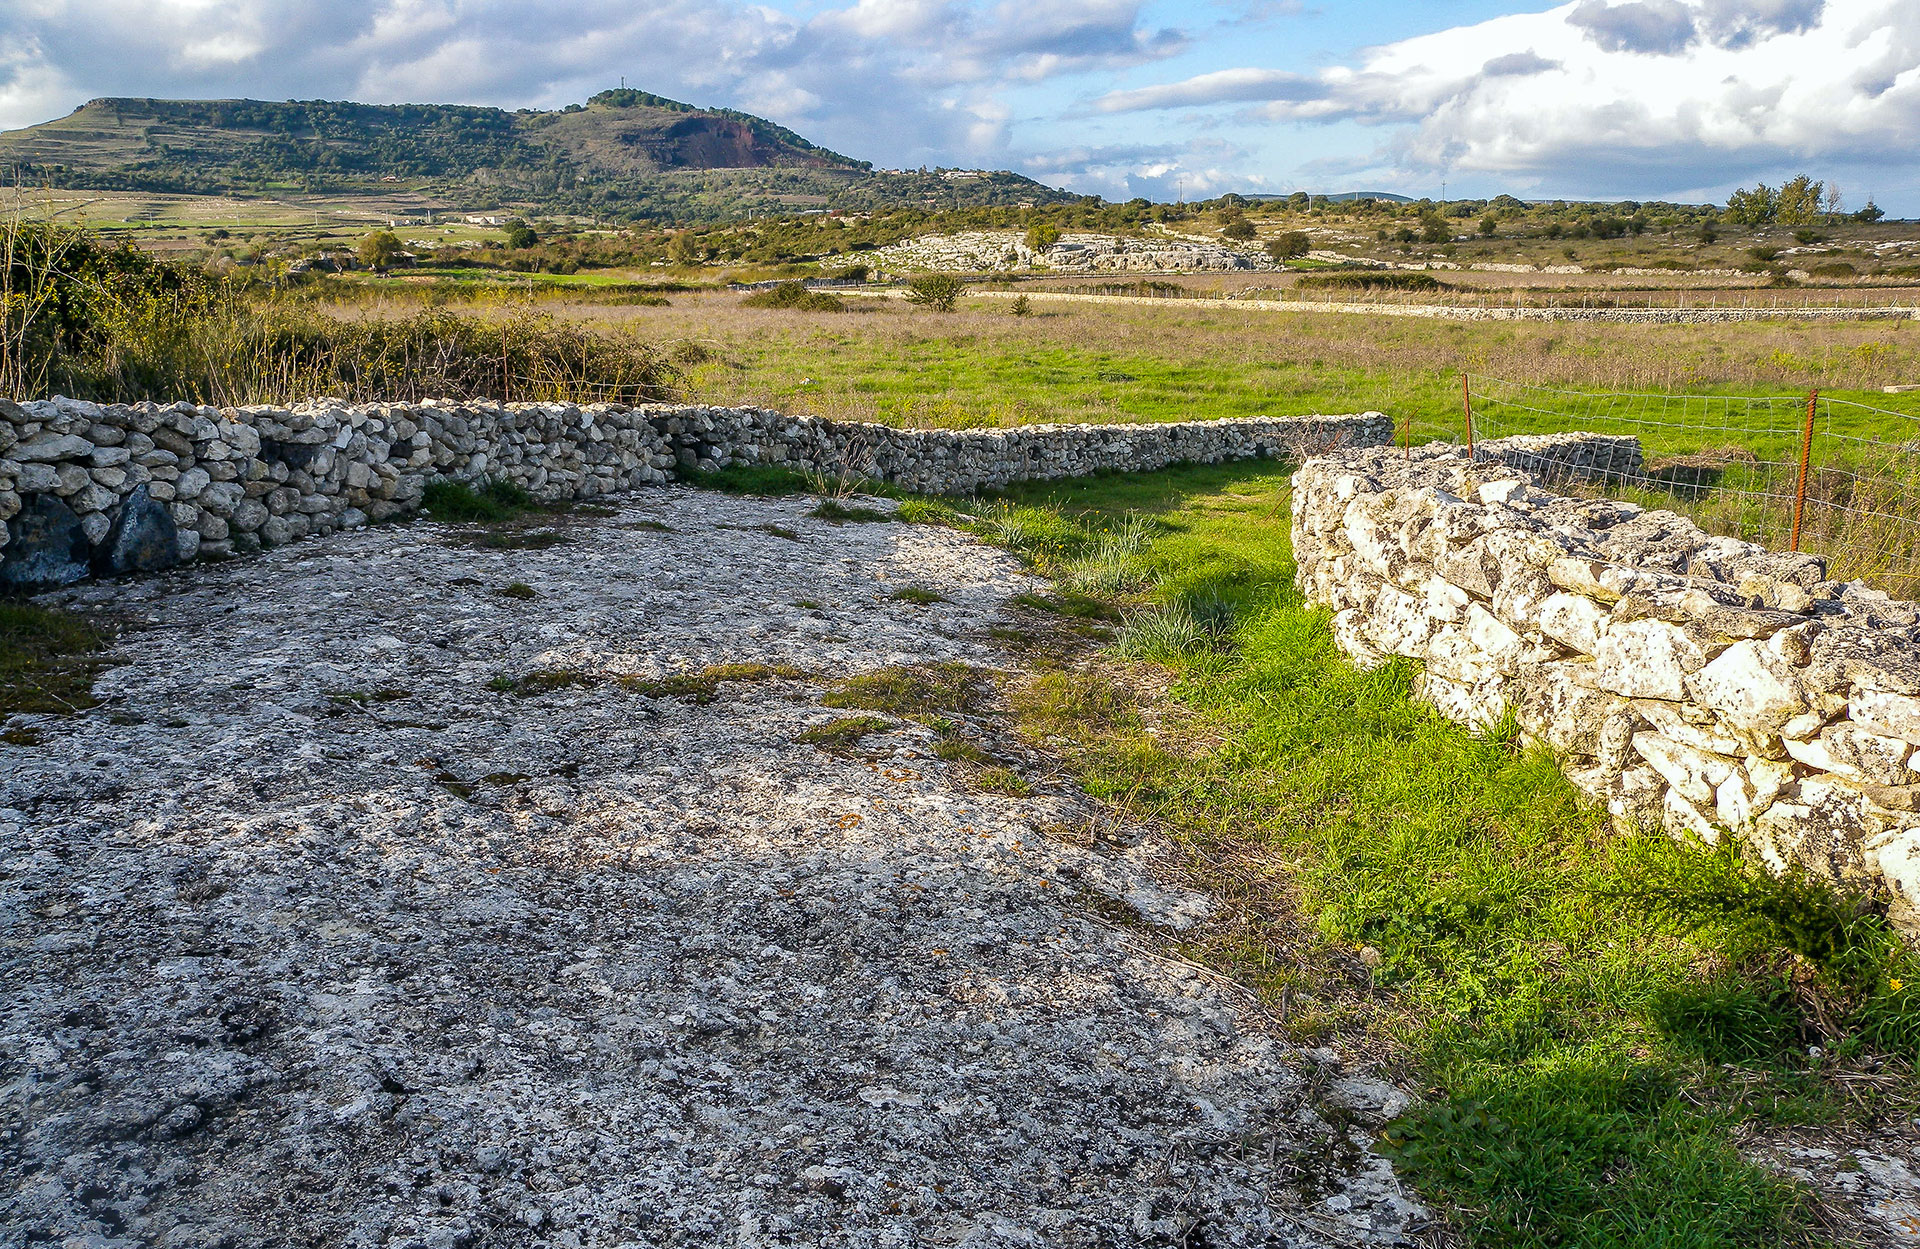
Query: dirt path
(316, 937)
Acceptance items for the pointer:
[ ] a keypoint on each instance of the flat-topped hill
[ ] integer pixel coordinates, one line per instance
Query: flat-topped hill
(622, 149)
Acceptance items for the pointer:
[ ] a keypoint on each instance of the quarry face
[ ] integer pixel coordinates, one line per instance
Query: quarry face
(395, 894)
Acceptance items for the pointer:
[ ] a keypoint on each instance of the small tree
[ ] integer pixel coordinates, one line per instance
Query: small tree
(520, 234)
(938, 291)
(377, 250)
(1488, 226)
(1042, 235)
(1289, 246)
(1239, 228)
(1434, 229)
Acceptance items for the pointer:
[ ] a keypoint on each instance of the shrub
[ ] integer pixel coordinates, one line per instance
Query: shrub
(1434, 229)
(796, 297)
(1239, 228)
(938, 291)
(1371, 280)
(1290, 246)
(1042, 235)
(1022, 306)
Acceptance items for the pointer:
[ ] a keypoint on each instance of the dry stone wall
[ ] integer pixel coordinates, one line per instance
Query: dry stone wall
(92, 489)
(1694, 682)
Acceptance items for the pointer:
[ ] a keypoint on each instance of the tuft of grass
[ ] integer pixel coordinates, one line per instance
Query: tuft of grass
(917, 595)
(1078, 606)
(48, 659)
(542, 681)
(519, 590)
(704, 685)
(519, 539)
(833, 509)
(919, 690)
(838, 736)
(960, 750)
(651, 526)
(1002, 780)
(462, 501)
(761, 480)
(1593, 1017)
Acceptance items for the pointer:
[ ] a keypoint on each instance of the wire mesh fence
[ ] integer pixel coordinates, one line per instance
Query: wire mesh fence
(1835, 477)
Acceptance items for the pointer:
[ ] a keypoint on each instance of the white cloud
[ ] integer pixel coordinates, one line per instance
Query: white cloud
(1678, 91)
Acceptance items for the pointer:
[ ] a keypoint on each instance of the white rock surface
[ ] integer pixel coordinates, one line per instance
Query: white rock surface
(314, 938)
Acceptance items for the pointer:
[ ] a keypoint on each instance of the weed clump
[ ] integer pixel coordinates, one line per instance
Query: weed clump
(703, 686)
(487, 502)
(917, 595)
(48, 659)
(795, 297)
(839, 736)
(906, 691)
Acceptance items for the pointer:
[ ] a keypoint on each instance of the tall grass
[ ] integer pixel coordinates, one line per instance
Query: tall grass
(117, 326)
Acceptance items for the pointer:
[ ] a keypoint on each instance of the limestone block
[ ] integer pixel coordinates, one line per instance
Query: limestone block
(1637, 799)
(1573, 620)
(1399, 624)
(1849, 750)
(1695, 774)
(1752, 686)
(50, 448)
(1894, 856)
(1647, 659)
(1502, 648)
(1477, 706)
(1890, 715)
(1569, 716)
(1452, 653)
(1683, 818)
(1690, 725)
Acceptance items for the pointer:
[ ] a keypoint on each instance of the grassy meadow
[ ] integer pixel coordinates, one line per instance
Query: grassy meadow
(1595, 1020)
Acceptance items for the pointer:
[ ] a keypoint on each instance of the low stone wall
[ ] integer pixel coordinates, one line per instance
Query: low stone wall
(1698, 683)
(87, 488)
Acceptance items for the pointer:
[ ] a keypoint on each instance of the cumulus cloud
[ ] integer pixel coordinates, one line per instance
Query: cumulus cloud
(1660, 27)
(896, 81)
(1666, 90)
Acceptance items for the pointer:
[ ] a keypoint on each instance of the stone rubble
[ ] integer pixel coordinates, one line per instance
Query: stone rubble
(990, 251)
(1694, 682)
(89, 488)
(317, 936)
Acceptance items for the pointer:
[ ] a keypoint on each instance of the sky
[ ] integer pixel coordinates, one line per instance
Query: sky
(1168, 99)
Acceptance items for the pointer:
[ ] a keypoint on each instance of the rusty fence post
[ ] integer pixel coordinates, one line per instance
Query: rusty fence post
(1806, 460)
(1466, 400)
(1407, 424)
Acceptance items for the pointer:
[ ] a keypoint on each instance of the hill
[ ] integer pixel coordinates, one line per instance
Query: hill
(623, 154)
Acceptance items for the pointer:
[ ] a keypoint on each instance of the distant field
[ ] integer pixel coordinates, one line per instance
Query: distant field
(983, 366)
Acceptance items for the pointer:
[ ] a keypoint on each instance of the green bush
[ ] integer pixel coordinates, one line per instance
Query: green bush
(938, 291)
(796, 297)
(1371, 280)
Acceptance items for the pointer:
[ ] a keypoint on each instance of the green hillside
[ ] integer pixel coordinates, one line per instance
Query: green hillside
(623, 154)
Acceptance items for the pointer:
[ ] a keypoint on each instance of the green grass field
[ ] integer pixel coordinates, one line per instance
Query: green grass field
(1590, 1015)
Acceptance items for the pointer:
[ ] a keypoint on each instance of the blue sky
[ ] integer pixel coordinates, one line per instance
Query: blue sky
(1589, 98)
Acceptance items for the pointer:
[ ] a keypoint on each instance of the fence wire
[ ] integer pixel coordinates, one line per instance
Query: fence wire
(1834, 477)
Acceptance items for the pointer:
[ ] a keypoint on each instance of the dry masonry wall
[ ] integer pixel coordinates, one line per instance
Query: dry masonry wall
(1688, 681)
(88, 488)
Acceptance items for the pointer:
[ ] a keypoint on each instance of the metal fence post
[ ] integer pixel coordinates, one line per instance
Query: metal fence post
(1806, 458)
(1466, 400)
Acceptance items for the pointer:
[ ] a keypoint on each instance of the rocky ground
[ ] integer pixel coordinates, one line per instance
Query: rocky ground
(371, 907)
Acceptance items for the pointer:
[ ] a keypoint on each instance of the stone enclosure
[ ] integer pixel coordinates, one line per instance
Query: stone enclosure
(1698, 683)
(88, 488)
